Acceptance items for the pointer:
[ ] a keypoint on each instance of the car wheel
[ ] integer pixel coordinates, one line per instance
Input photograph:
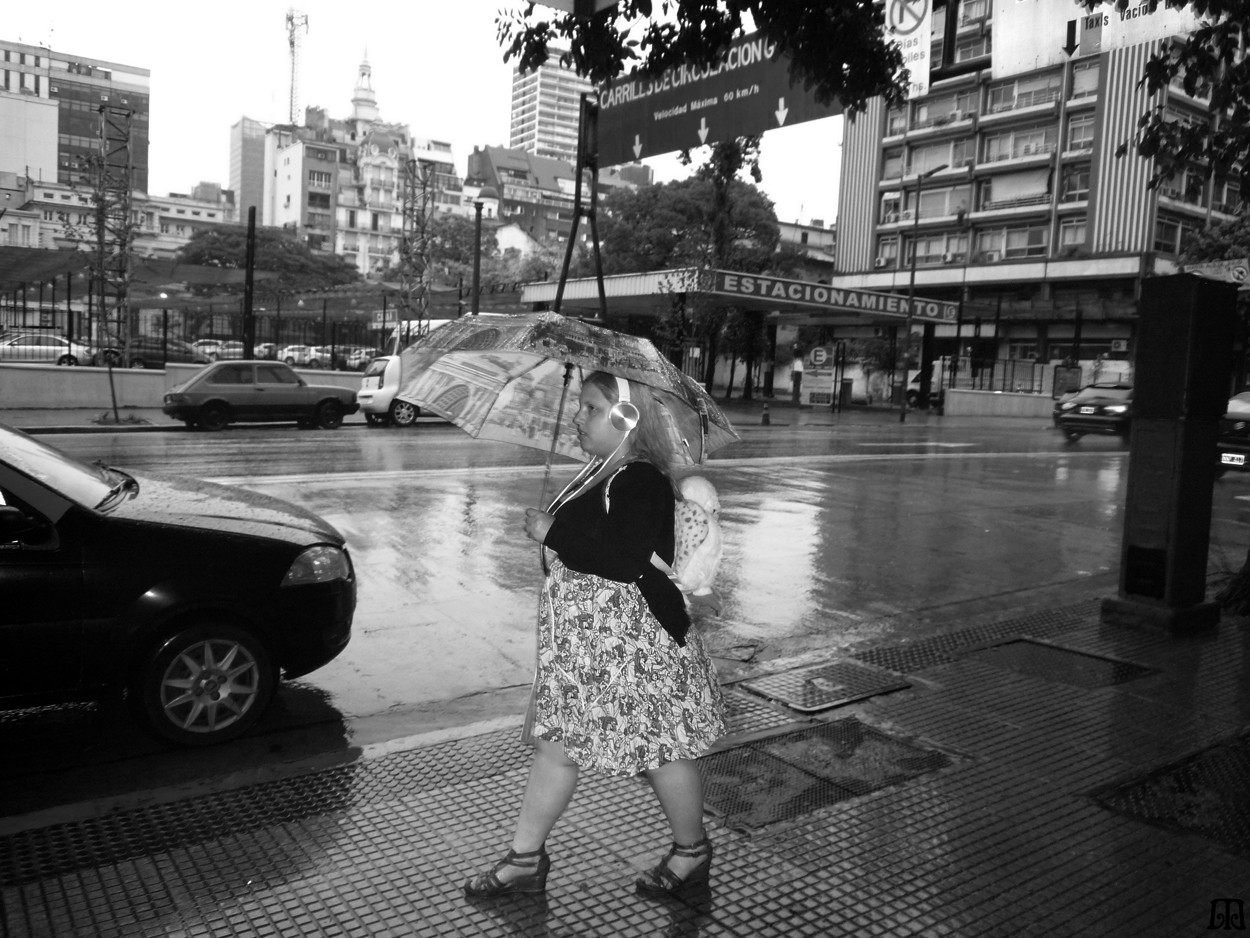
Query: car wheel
(205, 684)
(138, 363)
(913, 398)
(329, 415)
(290, 361)
(404, 414)
(213, 417)
(214, 356)
(1072, 435)
(67, 360)
(377, 420)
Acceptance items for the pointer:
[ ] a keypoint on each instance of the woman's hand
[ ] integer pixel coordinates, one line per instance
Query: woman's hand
(537, 524)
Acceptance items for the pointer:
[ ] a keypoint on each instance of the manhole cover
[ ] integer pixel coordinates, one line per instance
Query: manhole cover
(788, 776)
(810, 689)
(1206, 794)
(1059, 664)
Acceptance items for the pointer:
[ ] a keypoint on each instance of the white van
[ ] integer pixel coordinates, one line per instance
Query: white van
(376, 397)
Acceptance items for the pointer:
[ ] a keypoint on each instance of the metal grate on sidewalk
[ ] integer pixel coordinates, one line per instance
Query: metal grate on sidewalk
(809, 690)
(786, 777)
(1053, 663)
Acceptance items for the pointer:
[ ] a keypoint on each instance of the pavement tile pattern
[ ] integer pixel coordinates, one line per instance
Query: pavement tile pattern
(1013, 828)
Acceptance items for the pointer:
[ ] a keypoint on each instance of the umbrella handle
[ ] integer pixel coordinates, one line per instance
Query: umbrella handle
(555, 433)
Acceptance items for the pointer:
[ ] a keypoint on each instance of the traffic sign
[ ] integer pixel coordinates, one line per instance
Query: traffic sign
(746, 93)
(1234, 271)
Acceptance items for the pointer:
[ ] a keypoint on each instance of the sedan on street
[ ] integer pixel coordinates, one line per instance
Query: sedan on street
(191, 598)
(1233, 447)
(149, 352)
(43, 348)
(1103, 408)
(256, 392)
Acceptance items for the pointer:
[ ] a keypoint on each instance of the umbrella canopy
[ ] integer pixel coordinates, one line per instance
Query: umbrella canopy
(512, 379)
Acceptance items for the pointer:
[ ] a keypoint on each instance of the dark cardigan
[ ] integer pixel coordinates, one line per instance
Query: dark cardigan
(616, 543)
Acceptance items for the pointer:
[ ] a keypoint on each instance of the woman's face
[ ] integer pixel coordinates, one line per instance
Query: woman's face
(595, 433)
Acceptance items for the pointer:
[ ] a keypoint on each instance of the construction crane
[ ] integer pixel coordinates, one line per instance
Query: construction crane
(296, 26)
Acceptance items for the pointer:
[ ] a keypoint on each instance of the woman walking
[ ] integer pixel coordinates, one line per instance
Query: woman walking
(624, 685)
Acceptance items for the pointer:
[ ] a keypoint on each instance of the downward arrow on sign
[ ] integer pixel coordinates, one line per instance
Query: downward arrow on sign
(637, 147)
(781, 111)
(703, 130)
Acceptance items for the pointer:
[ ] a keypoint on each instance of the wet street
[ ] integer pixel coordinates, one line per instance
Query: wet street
(836, 534)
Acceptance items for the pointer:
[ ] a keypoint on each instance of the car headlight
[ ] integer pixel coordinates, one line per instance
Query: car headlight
(320, 564)
(1116, 408)
(1067, 405)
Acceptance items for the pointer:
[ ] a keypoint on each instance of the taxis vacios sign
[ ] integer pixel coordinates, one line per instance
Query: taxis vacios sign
(747, 92)
(833, 299)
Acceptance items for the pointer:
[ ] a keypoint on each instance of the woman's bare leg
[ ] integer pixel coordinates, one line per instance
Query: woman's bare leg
(548, 791)
(679, 787)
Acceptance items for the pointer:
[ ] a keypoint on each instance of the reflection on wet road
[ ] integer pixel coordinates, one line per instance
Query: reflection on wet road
(896, 531)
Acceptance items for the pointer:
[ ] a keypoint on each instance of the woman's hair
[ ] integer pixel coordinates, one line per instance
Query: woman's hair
(650, 440)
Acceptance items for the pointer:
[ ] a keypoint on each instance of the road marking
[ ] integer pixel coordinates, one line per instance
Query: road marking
(919, 443)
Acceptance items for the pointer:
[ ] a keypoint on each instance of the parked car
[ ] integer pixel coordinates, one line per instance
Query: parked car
(296, 354)
(265, 350)
(150, 352)
(1233, 447)
(256, 392)
(1101, 408)
(44, 348)
(353, 357)
(207, 347)
(192, 598)
(226, 351)
(376, 397)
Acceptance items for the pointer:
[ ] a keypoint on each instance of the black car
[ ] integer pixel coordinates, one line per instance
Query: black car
(191, 598)
(228, 392)
(145, 351)
(1233, 447)
(1105, 409)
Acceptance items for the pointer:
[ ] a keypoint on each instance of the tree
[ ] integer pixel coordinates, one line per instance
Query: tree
(297, 267)
(453, 244)
(1211, 63)
(838, 50)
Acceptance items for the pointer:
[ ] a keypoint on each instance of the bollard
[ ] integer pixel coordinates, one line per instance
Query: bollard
(764, 417)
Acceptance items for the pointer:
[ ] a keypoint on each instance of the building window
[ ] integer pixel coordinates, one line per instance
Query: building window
(1025, 92)
(1081, 132)
(892, 163)
(973, 47)
(1075, 183)
(1026, 242)
(1172, 235)
(1071, 236)
(1085, 79)
(887, 252)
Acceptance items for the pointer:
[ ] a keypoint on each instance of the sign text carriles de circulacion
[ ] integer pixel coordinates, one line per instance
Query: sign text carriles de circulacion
(635, 89)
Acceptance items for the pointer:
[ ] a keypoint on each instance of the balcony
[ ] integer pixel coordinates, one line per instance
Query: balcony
(1022, 201)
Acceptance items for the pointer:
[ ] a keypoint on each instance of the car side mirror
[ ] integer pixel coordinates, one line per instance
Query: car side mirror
(17, 526)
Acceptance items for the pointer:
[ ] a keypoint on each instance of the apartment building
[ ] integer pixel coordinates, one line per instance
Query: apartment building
(50, 112)
(1000, 187)
(546, 104)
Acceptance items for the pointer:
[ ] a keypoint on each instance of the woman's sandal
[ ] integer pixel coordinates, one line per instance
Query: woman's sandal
(488, 885)
(660, 881)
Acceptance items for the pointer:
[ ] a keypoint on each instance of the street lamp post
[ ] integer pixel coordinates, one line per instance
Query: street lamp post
(477, 256)
(911, 285)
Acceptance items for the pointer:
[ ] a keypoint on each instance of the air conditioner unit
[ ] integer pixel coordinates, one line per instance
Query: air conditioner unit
(1119, 345)
(879, 262)
(990, 256)
(948, 258)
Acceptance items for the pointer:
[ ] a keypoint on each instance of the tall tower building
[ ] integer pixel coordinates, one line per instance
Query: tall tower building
(49, 112)
(545, 107)
(247, 167)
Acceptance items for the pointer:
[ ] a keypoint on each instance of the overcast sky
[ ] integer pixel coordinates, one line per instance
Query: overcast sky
(437, 67)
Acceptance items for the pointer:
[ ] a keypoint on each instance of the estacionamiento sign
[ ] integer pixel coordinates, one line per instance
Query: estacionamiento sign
(746, 93)
(821, 296)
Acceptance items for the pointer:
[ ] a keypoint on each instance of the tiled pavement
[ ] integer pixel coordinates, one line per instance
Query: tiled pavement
(990, 797)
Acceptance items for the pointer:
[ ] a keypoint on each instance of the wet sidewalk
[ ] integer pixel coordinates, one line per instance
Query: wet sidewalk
(1047, 775)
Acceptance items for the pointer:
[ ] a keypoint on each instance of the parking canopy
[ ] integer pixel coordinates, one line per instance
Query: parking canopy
(794, 300)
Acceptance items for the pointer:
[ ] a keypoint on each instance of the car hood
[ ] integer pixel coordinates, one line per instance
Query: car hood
(194, 503)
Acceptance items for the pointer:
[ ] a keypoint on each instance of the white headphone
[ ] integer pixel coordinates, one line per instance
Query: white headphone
(624, 414)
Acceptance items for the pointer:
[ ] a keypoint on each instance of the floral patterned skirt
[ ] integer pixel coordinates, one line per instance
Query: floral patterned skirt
(612, 685)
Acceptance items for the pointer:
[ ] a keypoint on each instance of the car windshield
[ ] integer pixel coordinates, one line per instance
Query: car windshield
(1106, 393)
(1239, 403)
(89, 485)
